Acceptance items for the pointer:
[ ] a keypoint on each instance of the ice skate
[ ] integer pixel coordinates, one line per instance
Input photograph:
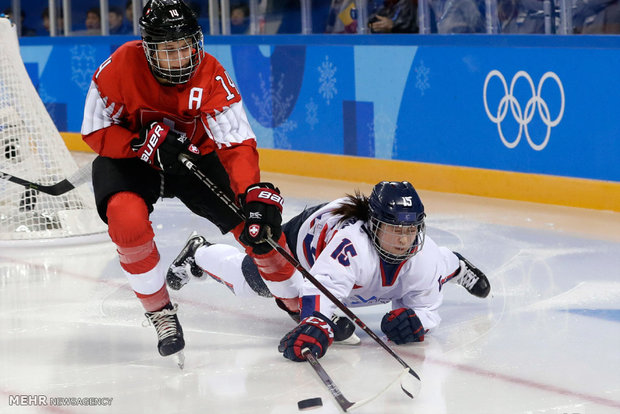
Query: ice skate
(169, 332)
(344, 334)
(177, 275)
(472, 278)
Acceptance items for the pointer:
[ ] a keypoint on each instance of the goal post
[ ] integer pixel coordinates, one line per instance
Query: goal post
(31, 148)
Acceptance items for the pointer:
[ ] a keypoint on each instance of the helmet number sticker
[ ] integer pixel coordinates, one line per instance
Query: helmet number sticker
(407, 201)
(174, 12)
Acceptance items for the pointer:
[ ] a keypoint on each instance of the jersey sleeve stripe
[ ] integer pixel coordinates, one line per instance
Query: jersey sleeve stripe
(230, 126)
(97, 114)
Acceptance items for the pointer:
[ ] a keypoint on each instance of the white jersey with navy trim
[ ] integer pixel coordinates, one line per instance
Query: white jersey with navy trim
(343, 258)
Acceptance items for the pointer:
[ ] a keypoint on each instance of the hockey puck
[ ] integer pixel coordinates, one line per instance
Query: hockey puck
(309, 403)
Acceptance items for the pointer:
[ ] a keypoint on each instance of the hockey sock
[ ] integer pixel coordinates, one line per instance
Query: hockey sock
(145, 288)
(131, 231)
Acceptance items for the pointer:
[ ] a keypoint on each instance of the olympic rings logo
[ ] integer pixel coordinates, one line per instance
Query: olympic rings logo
(524, 116)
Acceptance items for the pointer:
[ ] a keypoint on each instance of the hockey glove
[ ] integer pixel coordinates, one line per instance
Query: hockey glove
(402, 326)
(315, 332)
(159, 146)
(262, 207)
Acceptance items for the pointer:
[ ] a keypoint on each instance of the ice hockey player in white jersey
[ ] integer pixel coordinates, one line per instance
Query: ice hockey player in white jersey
(365, 251)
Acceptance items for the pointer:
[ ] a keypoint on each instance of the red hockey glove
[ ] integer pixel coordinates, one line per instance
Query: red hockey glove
(262, 207)
(315, 332)
(402, 326)
(159, 146)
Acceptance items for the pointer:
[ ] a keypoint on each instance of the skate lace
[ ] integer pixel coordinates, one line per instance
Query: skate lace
(468, 279)
(163, 321)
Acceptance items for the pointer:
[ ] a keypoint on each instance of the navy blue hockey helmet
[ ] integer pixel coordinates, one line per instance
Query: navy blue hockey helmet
(172, 22)
(396, 220)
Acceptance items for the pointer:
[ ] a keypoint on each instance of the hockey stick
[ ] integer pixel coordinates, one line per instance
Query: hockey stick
(81, 176)
(410, 384)
(344, 404)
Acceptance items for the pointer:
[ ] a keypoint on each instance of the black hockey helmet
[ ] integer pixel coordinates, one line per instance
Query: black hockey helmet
(165, 21)
(396, 209)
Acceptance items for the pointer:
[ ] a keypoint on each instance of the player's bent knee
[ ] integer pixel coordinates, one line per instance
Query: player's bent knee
(128, 220)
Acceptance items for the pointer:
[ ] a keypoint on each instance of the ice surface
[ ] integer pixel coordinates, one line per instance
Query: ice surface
(546, 340)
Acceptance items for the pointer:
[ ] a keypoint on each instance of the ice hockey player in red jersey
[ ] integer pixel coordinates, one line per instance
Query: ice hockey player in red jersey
(150, 101)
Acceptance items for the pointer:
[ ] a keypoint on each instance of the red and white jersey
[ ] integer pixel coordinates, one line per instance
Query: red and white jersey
(124, 96)
(343, 258)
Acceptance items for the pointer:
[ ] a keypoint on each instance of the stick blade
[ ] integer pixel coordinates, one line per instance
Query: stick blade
(410, 383)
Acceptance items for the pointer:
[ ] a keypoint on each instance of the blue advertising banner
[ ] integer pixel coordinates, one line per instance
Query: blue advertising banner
(531, 104)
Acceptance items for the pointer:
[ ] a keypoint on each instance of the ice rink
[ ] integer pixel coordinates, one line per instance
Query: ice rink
(547, 339)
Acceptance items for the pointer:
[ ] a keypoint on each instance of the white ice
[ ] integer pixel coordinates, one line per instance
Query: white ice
(547, 340)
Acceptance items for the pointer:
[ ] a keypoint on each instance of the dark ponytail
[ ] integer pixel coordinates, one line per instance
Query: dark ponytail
(354, 207)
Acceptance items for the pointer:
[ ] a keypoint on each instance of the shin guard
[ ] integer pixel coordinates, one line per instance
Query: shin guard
(130, 229)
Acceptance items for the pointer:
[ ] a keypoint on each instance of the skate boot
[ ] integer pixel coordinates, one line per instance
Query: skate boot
(177, 276)
(472, 278)
(169, 332)
(344, 334)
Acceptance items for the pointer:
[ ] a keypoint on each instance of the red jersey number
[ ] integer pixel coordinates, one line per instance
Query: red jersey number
(229, 94)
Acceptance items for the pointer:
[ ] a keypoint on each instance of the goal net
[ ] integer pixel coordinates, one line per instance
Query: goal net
(31, 148)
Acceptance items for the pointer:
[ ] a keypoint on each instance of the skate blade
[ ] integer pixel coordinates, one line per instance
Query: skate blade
(180, 359)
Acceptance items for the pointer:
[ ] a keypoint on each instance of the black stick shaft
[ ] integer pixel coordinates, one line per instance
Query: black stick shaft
(192, 167)
(329, 383)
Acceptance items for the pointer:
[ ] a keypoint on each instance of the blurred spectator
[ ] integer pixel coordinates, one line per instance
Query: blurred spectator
(394, 16)
(26, 31)
(521, 16)
(93, 21)
(129, 11)
(45, 18)
(597, 16)
(342, 17)
(239, 19)
(460, 16)
(117, 21)
(290, 12)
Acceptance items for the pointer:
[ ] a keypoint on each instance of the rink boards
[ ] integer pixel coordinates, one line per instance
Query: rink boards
(521, 117)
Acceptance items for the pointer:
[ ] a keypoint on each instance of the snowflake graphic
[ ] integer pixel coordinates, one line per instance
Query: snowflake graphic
(384, 133)
(273, 106)
(273, 110)
(422, 77)
(311, 114)
(281, 133)
(83, 65)
(327, 80)
(383, 127)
